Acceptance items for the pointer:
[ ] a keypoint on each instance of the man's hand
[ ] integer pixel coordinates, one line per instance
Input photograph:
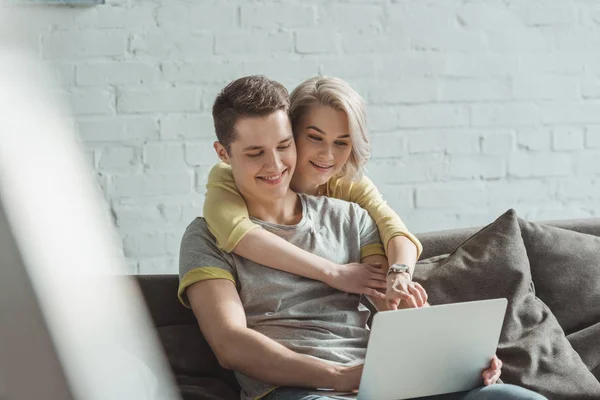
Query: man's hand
(492, 374)
(403, 293)
(368, 279)
(348, 378)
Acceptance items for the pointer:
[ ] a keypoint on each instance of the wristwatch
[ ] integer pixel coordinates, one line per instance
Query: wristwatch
(399, 268)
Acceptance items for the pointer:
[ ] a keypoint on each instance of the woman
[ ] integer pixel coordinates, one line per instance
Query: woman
(329, 123)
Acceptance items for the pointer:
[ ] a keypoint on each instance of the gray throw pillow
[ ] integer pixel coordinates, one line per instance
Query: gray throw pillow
(565, 267)
(492, 264)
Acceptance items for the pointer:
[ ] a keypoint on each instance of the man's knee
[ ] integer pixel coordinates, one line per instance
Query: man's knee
(503, 392)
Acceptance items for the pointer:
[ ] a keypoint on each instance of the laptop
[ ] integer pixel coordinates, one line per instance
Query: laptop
(429, 351)
(71, 327)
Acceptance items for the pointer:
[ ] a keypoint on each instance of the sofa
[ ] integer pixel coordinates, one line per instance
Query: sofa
(550, 272)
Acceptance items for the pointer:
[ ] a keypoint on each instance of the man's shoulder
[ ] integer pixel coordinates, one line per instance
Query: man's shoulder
(198, 234)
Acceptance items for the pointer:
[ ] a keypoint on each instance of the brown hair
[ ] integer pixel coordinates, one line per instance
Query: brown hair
(250, 96)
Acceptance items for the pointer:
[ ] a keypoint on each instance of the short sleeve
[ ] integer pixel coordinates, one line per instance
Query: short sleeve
(225, 209)
(365, 194)
(200, 259)
(370, 241)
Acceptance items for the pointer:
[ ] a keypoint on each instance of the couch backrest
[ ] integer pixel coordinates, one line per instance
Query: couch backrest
(188, 352)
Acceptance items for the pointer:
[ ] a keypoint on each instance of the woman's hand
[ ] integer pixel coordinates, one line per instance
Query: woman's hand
(368, 279)
(492, 374)
(403, 293)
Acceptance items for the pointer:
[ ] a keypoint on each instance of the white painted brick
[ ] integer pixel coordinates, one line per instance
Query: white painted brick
(257, 43)
(117, 73)
(577, 39)
(507, 194)
(540, 14)
(409, 91)
(400, 198)
(316, 41)
(118, 158)
(187, 126)
(355, 17)
(447, 40)
(411, 16)
(84, 44)
(382, 118)
(150, 184)
(568, 138)
(367, 42)
(138, 17)
(475, 167)
(508, 114)
(495, 143)
(206, 17)
(571, 113)
(412, 169)
(460, 195)
(201, 153)
(159, 265)
(587, 163)
(546, 88)
(63, 72)
(120, 129)
(519, 40)
(282, 68)
(176, 45)
(488, 14)
(592, 137)
(399, 64)
(444, 141)
(434, 115)
(430, 220)
(539, 165)
(164, 156)
(534, 139)
(578, 188)
(209, 94)
(158, 100)
(132, 217)
(559, 211)
(91, 101)
(387, 146)
(590, 88)
(347, 67)
(276, 15)
(552, 64)
(479, 65)
(474, 90)
(201, 178)
(200, 72)
(145, 244)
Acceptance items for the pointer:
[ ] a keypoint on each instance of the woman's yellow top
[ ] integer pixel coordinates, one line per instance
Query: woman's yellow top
(227, 217)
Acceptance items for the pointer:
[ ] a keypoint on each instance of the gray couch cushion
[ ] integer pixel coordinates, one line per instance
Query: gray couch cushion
(565, 267)
(491, 264)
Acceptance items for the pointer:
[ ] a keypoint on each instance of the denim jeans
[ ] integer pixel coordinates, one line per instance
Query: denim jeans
(493, 392)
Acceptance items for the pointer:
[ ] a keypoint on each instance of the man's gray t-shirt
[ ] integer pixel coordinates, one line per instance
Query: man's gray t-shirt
(304, 315)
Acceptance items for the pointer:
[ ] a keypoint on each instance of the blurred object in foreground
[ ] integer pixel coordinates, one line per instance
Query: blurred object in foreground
(71, 326)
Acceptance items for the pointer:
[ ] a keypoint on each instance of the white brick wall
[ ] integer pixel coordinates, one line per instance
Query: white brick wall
(474, 106)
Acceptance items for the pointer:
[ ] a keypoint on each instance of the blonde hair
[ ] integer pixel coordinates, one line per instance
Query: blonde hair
(338, 94)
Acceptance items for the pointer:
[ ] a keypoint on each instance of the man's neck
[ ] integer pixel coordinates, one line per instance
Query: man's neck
(300, 185)
(283, 211)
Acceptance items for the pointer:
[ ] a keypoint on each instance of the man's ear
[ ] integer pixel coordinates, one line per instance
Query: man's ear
(221, 152)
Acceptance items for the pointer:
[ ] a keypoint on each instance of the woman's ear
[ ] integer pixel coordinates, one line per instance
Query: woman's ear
(221, 152)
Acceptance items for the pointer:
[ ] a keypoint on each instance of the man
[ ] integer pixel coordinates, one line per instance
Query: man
(275, 329)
